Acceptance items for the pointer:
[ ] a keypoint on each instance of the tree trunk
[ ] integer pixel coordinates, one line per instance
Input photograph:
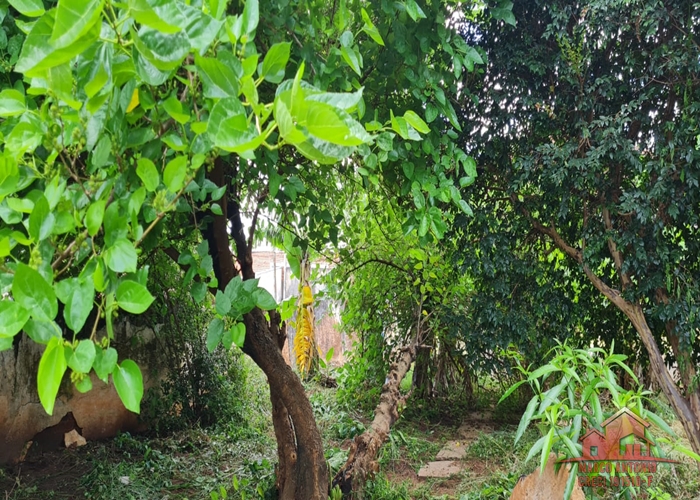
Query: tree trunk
(361, 461)
(302, 472)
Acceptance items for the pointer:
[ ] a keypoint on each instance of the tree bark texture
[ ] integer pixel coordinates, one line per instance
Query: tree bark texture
(302, 472)
(361, 461)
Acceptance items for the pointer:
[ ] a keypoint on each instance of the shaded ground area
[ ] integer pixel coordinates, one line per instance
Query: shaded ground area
(238, 462)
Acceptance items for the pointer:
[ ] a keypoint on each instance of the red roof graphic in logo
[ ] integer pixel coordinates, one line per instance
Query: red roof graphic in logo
(625, 427)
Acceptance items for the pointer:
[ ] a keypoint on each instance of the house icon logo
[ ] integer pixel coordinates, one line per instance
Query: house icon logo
(619, 455)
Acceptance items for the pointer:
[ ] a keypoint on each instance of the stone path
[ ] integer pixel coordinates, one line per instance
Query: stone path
(449, 459)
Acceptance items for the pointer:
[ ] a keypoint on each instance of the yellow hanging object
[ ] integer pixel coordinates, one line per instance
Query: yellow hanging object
(306, 296)
(303, 340)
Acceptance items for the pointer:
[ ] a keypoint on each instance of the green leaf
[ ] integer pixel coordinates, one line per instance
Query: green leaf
(414, 10)
(12, 318)
(94, 216)
(42, 332)
(148, 174)
(173, 107)
(30, 8)
(142, 12)
(527, 416)
(32, 292)
(238, 334)
(41, 220)
(465, 208)
(546, 448)
(164, 51)
(504, 12)
(78, 296)
(175, 173)
(12, 103)
(5, 343)
(105, 362)
(84, 384)
(121, 257)
(510, 390)
(129, 384)
(275, 62)
(250, 17)
(223, 303)
(199, 290)
(218, 80)
(133, 297)
(325, 123)
(83, 357)
(352, 58)
(74, 18)
(416, 122)
(264, 300)
(214, 333)
(39, 53)
(370, 28)
(52, 366)
(229, 129)
(571, 481)
(536, 448)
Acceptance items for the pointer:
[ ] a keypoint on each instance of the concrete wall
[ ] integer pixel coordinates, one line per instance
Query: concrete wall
(99, 412)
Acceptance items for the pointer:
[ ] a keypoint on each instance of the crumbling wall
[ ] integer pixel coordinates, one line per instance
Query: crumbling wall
(99, 412)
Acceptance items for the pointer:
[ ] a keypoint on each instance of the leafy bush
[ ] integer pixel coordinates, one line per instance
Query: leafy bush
(199, 387)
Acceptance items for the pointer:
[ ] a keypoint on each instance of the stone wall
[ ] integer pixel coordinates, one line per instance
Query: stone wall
(99, 412)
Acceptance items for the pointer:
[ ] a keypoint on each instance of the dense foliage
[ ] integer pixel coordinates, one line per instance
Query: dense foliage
(586, 130)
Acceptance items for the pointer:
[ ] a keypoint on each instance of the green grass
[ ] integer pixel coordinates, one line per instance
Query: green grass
(238, 462)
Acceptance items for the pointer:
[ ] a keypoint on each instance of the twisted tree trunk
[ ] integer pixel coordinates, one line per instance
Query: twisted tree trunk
(302, 472)
(361, 463)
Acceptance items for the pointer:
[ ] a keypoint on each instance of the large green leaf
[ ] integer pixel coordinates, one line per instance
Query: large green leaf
(121, 257)
(94, 216)
(30, 8)
(164, 51)
(214, 333)
(238, 334)
(83, 357)
(218, 80)
(12, 103)
(144, 14)
(32, 292)
(199, 28)
(133, 297)
(52, 366)
(264, 300)
(229, 129)
(105, 362)
(250, 17)
(78, 296)
(12, 318)
(275, 62)
(39, 53)
(41, 220)
(147, 172)
(129, 384)
(175, 173)
(42, 332)
(74, 18)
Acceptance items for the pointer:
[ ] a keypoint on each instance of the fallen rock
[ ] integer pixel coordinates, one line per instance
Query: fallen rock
(440, 469)
(546, 486)
(453, 450)
(73, 440)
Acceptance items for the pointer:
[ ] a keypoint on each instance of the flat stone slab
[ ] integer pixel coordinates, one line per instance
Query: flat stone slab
(453, 450)
(444, 468)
